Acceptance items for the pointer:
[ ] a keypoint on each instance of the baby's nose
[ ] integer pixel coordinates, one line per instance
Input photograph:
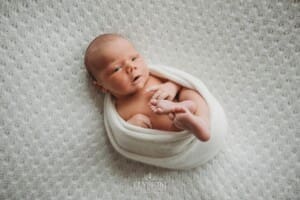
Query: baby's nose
(130, 67)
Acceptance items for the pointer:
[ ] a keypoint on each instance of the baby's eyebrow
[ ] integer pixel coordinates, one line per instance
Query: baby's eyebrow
(108, 67)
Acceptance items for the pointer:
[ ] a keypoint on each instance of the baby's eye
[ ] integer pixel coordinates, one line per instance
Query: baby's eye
(117, 69)
(134, 58)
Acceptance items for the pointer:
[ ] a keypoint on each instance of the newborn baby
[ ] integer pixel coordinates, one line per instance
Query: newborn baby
(141, 98)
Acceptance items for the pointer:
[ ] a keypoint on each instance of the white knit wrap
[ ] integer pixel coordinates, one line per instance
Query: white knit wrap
(174, 150)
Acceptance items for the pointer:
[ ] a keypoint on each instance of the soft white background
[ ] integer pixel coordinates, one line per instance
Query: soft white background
(52, 141)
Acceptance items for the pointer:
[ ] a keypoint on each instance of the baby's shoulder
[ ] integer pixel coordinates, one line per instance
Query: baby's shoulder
(153, 79)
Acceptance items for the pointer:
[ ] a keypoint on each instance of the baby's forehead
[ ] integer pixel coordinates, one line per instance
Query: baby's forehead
(102, 46)
(112, 48)
(106, 48)
(105, 40)
(97, 46)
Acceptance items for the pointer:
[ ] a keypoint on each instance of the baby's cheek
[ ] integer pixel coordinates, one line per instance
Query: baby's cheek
(141, 62)
(124, 85)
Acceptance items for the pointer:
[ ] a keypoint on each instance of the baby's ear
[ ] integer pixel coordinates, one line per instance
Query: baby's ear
(98, 86)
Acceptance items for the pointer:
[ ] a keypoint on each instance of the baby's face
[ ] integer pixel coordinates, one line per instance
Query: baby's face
(119, 68)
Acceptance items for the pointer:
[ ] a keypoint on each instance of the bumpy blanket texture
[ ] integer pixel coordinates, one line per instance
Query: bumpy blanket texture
(53, 141)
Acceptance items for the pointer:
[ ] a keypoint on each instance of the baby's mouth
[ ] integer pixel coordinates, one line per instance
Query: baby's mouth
(136, 79)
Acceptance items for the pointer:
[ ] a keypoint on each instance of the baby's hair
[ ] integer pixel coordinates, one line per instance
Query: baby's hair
(103, 38)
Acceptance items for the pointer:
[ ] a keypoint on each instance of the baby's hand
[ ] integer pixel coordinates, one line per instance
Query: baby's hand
(140, 120)
(167, 90)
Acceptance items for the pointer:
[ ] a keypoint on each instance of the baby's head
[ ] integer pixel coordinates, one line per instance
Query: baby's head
(115, 66)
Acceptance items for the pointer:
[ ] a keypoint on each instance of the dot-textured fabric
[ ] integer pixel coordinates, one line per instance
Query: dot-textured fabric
(53, 144)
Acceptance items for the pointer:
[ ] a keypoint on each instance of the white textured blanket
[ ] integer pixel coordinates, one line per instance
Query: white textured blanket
(174, 150)
(52, 136)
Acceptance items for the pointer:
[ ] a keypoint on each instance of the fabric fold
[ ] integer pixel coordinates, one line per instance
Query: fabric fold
(173, 150)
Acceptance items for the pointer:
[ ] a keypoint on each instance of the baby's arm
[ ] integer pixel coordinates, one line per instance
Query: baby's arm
(167, 90)
(140, 120)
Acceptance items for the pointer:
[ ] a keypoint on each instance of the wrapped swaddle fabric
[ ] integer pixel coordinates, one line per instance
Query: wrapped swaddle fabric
(173, 150)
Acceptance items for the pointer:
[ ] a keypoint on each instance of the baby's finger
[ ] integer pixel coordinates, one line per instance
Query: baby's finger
(163, 96)
(147, 123)
(153, 102)
(170, 98)
(156, 95)
(171, 116)
(153, 108)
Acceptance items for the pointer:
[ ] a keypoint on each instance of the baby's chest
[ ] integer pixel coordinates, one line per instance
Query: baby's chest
(135, 106)
(142, 106)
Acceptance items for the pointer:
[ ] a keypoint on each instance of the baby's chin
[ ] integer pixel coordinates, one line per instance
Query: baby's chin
(142, 82)
(140, 87)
